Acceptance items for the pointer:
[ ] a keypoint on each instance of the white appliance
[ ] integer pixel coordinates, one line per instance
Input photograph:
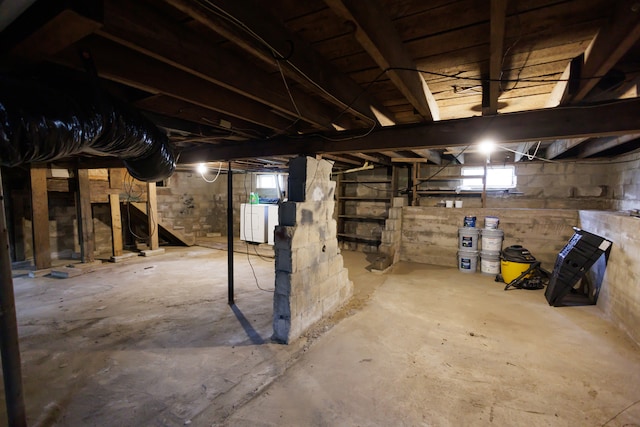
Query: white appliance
(253, 222)
(272, 221)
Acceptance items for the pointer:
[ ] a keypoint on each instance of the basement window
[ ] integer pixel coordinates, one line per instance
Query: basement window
(269, 181)
(498, 178)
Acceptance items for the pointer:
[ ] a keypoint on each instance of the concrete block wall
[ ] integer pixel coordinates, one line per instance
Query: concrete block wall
(198, 207)
(541, 185)
(624, 176)
(392, 234)
(430, 235)
(311, 281)
(620, 291)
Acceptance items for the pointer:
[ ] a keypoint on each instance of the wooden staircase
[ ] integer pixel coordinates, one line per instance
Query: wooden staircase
(166, 232)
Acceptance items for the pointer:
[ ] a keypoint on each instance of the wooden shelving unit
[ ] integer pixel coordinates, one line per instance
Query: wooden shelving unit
(362, 207)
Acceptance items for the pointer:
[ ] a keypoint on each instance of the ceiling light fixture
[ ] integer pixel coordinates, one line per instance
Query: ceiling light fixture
(487, 146)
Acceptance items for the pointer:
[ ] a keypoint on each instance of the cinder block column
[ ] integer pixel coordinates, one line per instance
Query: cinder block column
(311, 281)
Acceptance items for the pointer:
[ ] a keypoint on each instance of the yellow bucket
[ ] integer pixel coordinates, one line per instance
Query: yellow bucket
(511, 270)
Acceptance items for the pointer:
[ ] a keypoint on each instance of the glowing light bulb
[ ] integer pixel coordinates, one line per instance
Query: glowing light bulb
(201, 168)
(487, 146)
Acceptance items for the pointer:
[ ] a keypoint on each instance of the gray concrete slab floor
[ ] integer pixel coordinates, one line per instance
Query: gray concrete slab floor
(152, 342)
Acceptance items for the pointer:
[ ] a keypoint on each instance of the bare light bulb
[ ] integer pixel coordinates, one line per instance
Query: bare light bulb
(487, 146)
(201, 168)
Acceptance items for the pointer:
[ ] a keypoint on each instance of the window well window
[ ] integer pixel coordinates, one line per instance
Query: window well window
(270, 181)
(498, 177)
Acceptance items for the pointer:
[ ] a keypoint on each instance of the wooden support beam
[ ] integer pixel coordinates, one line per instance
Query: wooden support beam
(561, 146)
(598, 145)
(371, 158)
(612, 42)
(341, 159)
(116, 181)
(48, 27)
(614, 118)
(431, 155)
(85, 216)
(302, 63)
(40, 217)
(153, 76)
(377, 35)
(9, 343)
(182, 48)
(496, 46)
(152, 215)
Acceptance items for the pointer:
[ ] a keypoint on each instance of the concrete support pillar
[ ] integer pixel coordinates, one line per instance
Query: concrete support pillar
(311, 281)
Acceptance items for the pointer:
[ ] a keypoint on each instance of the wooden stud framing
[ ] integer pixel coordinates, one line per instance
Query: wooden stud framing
(40, 217)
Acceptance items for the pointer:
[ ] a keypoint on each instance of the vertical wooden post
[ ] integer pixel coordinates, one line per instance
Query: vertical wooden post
(116, 182)
(40, 217)
(85, 217)
(9, 347)
(414, 184)
(152, 215)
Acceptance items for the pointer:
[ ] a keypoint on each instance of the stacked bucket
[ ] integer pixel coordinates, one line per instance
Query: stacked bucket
(468, 246)
(491, 246)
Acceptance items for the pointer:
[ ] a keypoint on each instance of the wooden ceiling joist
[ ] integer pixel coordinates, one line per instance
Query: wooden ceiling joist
(431, 155)
(182, 48)
(615, 118)
(49, 27)
(599, 145)
(496, 55)
(153, 76)
(611, 43)
(299, 60)
(377, 35)
(561, 146)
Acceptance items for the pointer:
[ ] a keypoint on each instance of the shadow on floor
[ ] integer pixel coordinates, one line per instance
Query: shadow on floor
(253, 335)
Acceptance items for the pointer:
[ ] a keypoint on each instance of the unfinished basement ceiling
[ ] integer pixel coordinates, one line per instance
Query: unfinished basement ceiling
(259, 82)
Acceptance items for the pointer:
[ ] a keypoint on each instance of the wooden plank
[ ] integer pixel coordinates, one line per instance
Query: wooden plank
(152, 215)
(614, 118)
(40, 217)
(116, 225)
(182, 48)
(562, 146)
(149, 74)
(611, 43)
(431, 155)
(195, 115)
(598, 145)
(116, 182)
(496, 56)
(375, 32)
(85, 216)
(116, 178)
(51, 26)
(305, 65)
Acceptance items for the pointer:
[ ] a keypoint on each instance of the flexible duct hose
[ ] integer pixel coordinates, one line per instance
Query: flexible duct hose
(40, 123)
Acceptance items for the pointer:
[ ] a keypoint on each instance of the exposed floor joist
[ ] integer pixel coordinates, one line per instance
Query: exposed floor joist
(496, 55)
(300, 60)
(181, 48)
(377, 35)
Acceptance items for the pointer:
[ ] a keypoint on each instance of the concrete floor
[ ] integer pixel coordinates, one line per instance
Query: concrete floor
(152, 342)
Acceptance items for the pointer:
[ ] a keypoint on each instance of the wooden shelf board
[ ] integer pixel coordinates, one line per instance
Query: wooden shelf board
(375, 199)
(375, 181)
(364, 217)
(361, 238)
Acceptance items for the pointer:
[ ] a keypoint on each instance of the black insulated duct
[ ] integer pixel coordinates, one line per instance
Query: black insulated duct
(42, 123)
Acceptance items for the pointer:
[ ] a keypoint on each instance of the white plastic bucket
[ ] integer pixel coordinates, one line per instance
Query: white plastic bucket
(468, 238)
(492, 240)
(491, 222)
(468, 261)
(489, 262)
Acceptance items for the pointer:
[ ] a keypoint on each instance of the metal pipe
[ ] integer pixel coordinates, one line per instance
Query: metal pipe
(230, 234)
(9, 347)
